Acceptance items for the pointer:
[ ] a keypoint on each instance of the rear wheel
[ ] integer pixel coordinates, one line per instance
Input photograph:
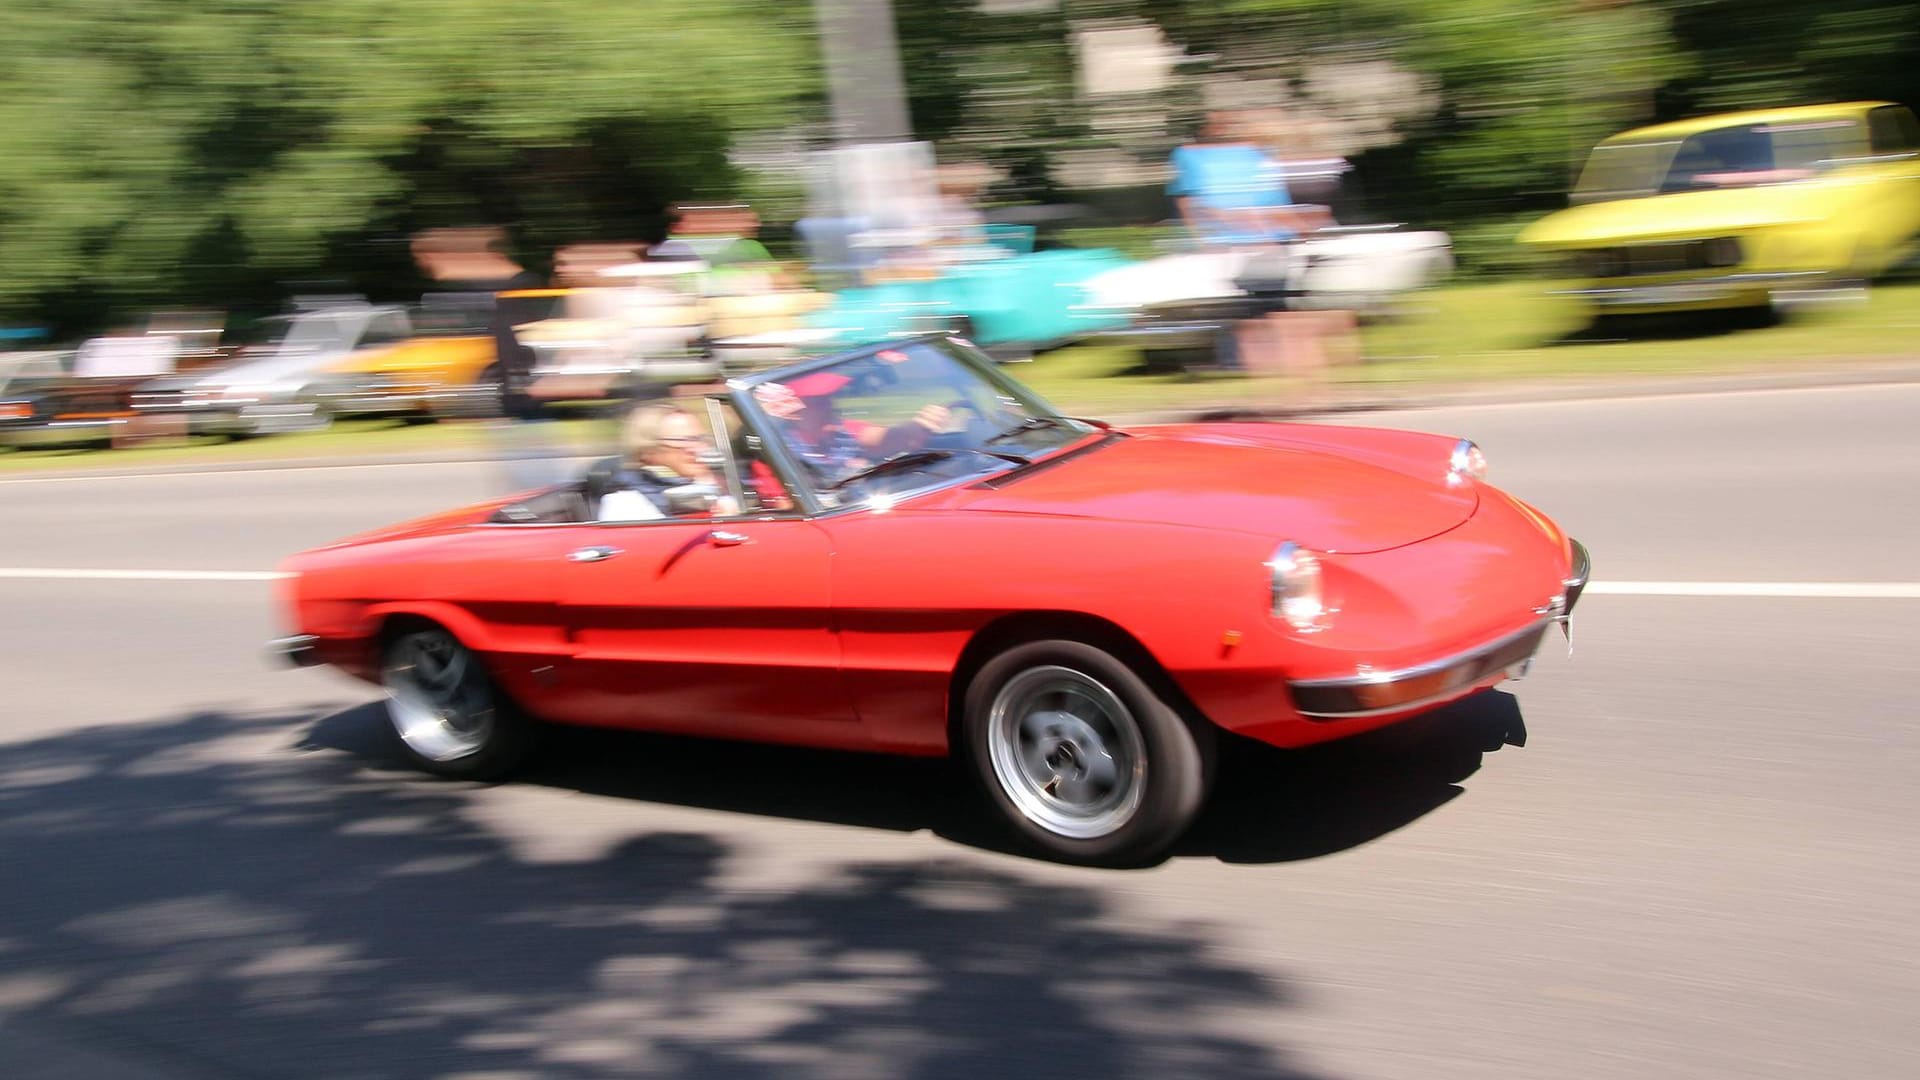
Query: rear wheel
(449, 716)
(1081, 756)
(489, 394)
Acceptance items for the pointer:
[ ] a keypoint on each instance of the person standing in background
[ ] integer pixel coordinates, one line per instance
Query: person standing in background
(1231, 191)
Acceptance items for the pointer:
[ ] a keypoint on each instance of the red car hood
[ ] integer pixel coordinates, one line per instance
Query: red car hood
(1319, 497)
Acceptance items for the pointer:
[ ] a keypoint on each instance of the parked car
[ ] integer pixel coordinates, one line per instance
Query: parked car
(1740, 209)
(27, 383)
(301, 381)
(906, 551)
(446, 365)
(909, 260)
(1010, 302)
(85, 395)
(1186, 302)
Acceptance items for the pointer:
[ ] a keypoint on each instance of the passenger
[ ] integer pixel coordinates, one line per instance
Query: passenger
(665, 447)
(833, 446)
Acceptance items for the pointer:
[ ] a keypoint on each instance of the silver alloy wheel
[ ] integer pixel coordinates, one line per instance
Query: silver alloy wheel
(1067, 751)
(437, 696)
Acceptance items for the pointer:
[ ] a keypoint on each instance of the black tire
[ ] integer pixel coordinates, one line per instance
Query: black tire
(490, 393)
(1002, 713)
(454, 722)
(324, 419)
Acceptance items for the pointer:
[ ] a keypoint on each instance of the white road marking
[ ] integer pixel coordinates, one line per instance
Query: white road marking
(1811, 590)
(35, 573)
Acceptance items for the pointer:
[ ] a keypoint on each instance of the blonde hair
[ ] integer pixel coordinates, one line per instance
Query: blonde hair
(640, 435)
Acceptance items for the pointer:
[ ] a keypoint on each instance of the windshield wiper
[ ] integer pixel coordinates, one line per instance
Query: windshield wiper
(904, 460)
(908, 459)
(1031, 423)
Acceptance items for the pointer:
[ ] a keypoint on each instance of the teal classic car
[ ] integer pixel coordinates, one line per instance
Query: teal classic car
(1008, 306)
(913, 259)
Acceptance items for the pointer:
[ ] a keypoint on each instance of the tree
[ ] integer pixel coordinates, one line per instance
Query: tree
(1761, 53)
(198, 150)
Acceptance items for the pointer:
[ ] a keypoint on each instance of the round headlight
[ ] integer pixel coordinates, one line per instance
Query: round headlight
(1466, 462)
(1294, 575)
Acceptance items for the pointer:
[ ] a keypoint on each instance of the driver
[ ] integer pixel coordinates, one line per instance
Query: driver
(832, 445)
(665, 447)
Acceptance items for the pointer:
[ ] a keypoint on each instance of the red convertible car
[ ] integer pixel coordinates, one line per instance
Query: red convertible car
(900, 549)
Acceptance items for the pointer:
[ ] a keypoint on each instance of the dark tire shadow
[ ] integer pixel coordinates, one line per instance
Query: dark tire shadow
(1268, 805)
(1274, 805)
(1676, 326)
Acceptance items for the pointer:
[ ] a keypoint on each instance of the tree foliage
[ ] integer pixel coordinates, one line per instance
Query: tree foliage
(205, 151)
(220, 152)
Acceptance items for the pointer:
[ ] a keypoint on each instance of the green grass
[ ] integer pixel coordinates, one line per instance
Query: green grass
(1510, 332)
(1467, 334)
(1515, 331)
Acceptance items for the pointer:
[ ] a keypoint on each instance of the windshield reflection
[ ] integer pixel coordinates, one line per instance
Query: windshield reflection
(906, 418)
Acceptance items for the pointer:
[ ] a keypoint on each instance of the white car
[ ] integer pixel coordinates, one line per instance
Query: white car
(285, 386)
(1350, 269)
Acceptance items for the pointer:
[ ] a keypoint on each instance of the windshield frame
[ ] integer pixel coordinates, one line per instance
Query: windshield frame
(802, 481)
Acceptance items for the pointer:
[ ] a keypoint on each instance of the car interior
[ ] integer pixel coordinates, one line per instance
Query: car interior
(587, 498)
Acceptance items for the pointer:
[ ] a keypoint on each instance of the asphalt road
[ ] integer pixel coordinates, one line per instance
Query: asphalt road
(1701, 862)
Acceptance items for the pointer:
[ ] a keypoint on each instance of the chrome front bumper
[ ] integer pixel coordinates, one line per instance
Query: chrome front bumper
(61, 433)
(300, 650)
(1378, 693)
(1719, 289)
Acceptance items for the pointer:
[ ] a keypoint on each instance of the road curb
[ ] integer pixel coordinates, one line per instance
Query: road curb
(1354, 400)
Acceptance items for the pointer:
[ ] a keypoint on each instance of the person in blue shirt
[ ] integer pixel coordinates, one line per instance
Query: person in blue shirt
(1231, 191)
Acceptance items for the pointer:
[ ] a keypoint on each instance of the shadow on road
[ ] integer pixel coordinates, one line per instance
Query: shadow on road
(1268, 806)
(206, 897)
(1276, 806)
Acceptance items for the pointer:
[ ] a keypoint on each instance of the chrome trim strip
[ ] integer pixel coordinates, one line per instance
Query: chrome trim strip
(1379, 678)
(1531, 635)
(1582, 565)
(1686, 290)
(300, 650)
(1577, 575)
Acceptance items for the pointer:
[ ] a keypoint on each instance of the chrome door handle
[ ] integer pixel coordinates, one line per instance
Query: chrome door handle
(596, 553)
(723, 538)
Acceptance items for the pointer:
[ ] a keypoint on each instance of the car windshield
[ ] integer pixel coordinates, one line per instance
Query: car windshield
(323, 332)
(906, 418)
(1741, 155)
(22, 370)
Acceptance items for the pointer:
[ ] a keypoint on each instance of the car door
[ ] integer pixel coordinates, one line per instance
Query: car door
(495, 585)
(718, 627)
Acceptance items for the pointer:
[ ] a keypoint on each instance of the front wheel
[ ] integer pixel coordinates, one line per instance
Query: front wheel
(450, 718)
(1081, 756)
